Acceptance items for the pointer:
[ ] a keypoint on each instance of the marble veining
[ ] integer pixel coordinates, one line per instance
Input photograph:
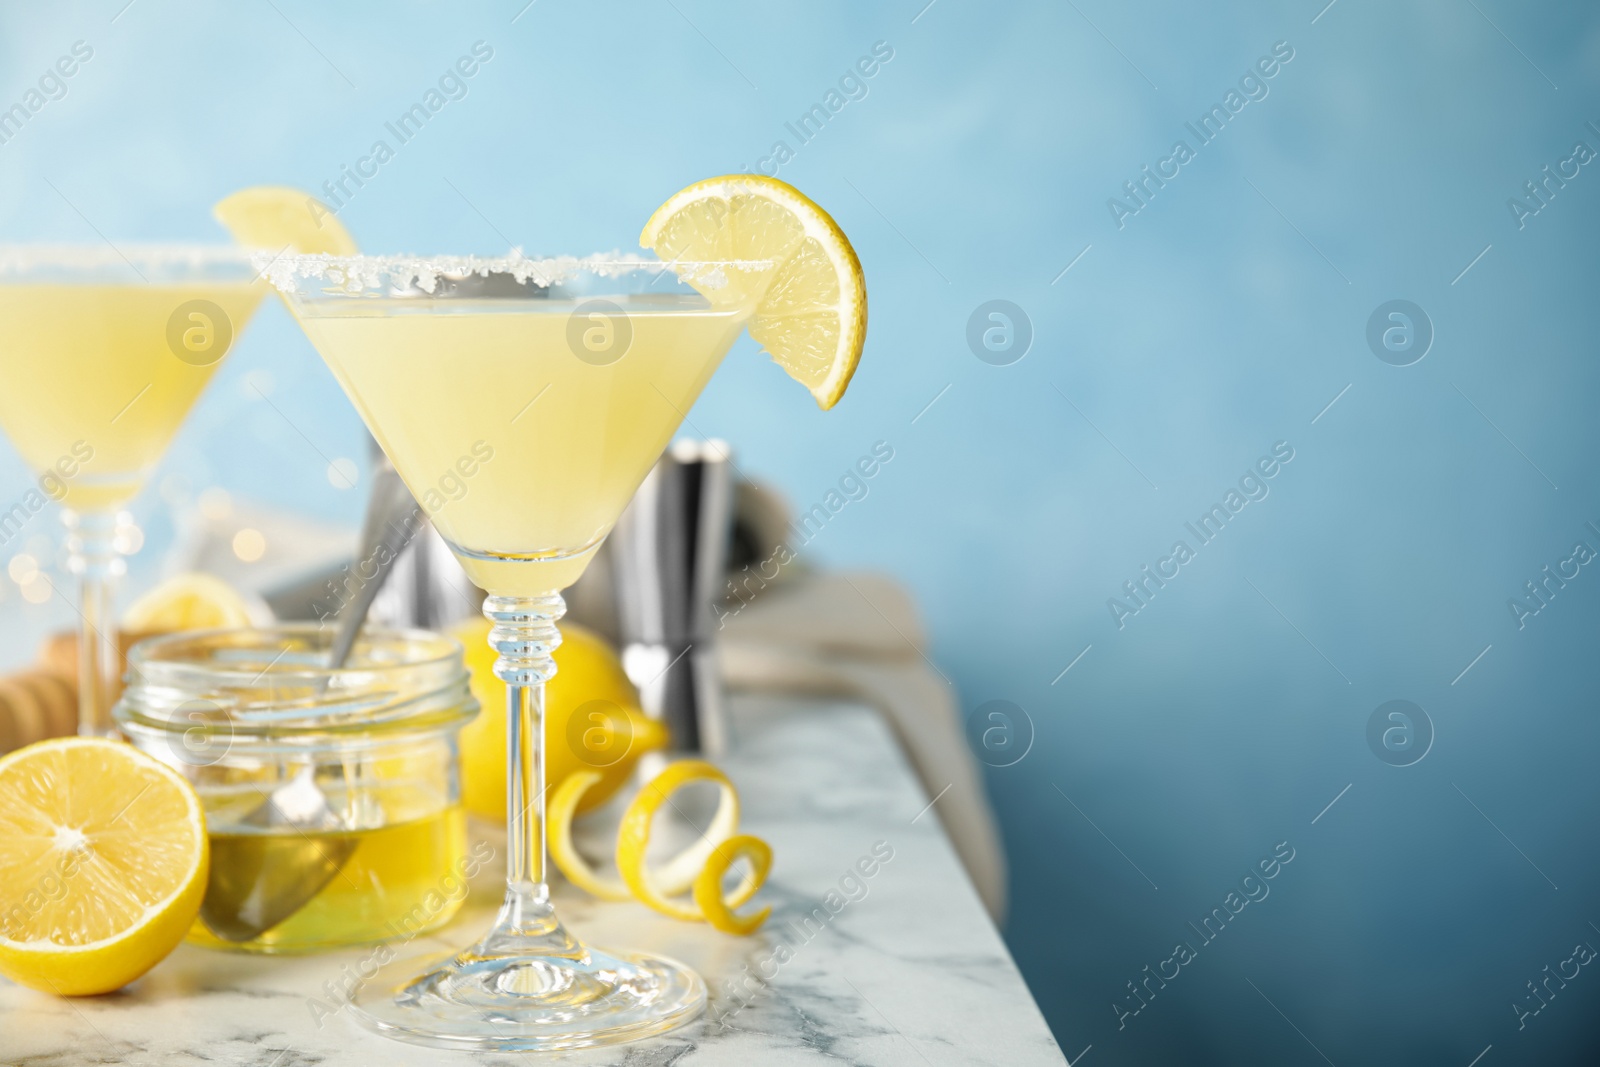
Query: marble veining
(901, 967)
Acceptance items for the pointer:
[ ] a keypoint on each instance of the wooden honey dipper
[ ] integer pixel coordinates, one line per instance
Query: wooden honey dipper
(42, 700)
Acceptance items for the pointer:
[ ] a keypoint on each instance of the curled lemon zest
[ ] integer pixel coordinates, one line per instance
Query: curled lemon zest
(656, 888)
(717, 908)
(562, 807)
(698, 870)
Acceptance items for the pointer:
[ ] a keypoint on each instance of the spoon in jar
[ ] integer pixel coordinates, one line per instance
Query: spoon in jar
(296, 843)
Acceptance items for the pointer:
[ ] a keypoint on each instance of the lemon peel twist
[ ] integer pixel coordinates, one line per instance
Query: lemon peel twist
(698, 870)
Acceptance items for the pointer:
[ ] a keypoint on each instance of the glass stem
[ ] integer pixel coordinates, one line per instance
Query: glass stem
(524, 636)
(92, 555)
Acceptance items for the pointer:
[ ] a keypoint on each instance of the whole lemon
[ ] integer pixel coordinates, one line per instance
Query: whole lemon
(592, 721)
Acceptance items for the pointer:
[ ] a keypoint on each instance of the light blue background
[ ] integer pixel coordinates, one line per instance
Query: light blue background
(1223, 318)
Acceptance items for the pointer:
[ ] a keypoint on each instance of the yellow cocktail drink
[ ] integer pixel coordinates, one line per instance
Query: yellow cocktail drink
(103, 351)
(91, 375)
(521, 443)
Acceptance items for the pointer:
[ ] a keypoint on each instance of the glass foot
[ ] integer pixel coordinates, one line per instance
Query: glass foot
(528, 985)
(514, 1003)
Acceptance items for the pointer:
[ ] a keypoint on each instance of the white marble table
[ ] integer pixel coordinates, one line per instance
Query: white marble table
(910, 972)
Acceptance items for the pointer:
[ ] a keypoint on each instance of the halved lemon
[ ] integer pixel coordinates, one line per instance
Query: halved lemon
(810, 304)
(103, 863)
(194, 602)
(276, 217)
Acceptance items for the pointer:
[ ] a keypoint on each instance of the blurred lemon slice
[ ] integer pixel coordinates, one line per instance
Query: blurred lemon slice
(194, 602)
(810, 304)
(103, 864)
(276, 217)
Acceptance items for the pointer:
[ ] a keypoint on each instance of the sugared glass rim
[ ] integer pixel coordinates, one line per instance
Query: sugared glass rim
(273, 684)
(360, 275)
(19, 259)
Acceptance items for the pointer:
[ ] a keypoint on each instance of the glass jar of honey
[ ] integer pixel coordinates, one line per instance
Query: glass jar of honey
(332, 796)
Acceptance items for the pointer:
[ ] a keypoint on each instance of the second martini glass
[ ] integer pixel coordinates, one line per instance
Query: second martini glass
(104, 352)
(522, 402)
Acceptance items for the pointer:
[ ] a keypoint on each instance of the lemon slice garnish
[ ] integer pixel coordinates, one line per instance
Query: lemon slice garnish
(275, 217)
(103, 863)
(810, 309)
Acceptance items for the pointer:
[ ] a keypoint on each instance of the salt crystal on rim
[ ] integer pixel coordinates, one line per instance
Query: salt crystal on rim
(357, 274)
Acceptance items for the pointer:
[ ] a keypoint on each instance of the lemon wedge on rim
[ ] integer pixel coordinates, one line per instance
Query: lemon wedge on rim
(103, 863)
(810, 302)
(280, 218)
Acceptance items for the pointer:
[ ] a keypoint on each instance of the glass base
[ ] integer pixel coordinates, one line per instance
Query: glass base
(528, 985)
(518, 1003)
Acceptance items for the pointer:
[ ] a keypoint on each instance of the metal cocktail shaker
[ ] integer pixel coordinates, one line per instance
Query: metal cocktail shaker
(668, 553)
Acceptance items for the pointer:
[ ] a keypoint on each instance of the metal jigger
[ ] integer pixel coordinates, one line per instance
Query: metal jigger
(668, 552)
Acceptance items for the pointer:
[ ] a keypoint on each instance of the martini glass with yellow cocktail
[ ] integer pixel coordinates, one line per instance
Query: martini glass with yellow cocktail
(102, 353)
(523, 401)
